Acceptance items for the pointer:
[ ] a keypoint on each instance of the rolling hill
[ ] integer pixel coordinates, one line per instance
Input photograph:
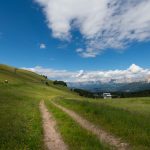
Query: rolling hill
(82, 123)
(20, 119)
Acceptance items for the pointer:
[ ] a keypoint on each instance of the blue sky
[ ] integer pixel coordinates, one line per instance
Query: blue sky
(24, 27)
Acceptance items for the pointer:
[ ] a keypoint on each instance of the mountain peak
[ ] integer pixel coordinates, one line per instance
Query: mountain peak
(134, 68)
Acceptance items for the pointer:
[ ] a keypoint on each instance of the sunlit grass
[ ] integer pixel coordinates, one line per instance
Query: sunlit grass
(20, 119)
(131, 126)
(74, 136)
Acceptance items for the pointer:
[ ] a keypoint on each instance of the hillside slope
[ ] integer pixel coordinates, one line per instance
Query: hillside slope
(20, 119)
(28, 79)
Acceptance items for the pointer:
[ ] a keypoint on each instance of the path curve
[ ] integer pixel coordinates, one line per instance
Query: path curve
(52, 138)
(100, 133)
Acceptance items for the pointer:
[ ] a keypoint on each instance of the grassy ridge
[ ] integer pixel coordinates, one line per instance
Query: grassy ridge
(14, 75)
(131, 126)
(74, 136)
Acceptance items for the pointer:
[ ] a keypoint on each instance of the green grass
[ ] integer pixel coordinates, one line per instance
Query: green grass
(140, 105)
(132, 126)
(20, 119)
(14, 77)
(21, 124)
(74, 136)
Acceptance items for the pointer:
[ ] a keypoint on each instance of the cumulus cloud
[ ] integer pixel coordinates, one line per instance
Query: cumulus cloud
(42, 46)
(102, 23)
(54, 74)
(132, 74)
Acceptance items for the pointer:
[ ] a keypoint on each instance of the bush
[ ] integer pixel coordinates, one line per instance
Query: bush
(47, 83)
(84, 93)
(60, 83)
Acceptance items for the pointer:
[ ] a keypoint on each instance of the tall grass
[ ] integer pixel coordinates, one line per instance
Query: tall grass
(74, 136)
(131, 126)
(20, 121)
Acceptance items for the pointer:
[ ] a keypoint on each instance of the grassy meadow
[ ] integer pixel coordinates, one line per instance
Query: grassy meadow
(74, 136)
(20, 119)
(21, 123)
(132, 125)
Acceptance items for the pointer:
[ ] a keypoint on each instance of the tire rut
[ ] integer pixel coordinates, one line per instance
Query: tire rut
(100, 133)
(52, 138)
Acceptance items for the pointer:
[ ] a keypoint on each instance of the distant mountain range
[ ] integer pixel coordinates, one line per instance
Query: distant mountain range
(98, 86)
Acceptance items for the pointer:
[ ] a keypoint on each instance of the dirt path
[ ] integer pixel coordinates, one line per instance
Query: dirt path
(52, 138)
(100, 133)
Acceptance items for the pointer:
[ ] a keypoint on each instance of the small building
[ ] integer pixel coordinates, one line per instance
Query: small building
(107, 96)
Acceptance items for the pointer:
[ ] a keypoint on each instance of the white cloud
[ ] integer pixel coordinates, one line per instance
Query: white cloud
(102, 23)
(79, 50)
(133, 74)
(42, 46)
(80, 74)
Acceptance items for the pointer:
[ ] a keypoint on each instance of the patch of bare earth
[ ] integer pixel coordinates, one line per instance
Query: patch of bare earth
(52, 138)
(100, 133)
